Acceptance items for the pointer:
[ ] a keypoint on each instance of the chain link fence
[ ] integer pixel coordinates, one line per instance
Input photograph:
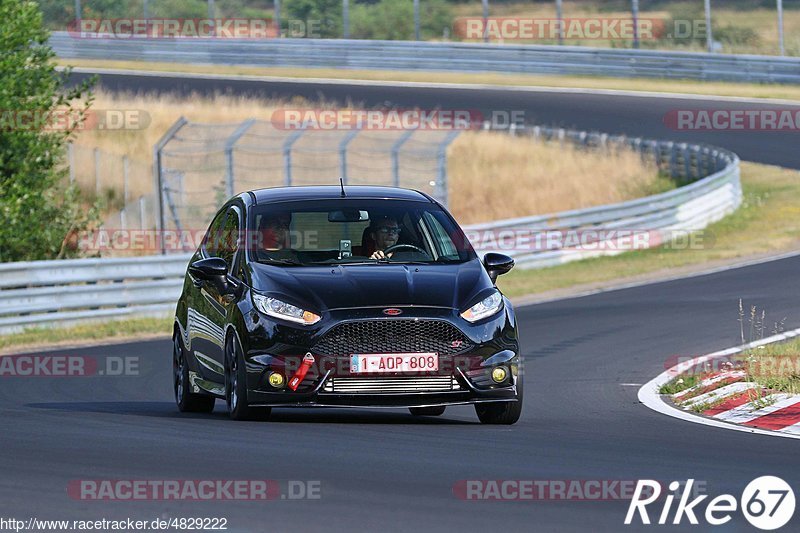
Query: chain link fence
(198, 166)
(123, 185)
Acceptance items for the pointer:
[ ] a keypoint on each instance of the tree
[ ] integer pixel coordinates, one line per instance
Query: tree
(37, 211)
(324, 15)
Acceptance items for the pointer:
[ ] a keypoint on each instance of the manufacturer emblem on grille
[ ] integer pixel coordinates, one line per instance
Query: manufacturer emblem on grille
(392, 311)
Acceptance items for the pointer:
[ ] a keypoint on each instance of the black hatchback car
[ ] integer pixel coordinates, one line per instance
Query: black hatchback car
(344, 296)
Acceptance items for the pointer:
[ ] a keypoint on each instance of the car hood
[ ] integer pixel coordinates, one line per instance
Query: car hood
(374, 285)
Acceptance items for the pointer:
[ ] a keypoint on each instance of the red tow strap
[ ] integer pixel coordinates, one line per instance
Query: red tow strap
(298, 377)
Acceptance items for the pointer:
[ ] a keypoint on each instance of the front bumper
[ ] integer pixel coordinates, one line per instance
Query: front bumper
(318, 397)
(277, 348)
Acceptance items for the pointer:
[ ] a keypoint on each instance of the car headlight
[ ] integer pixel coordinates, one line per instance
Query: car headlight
(486, 307)
(280, 309)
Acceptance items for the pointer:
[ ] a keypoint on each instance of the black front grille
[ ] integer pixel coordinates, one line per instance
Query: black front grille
(393, 336)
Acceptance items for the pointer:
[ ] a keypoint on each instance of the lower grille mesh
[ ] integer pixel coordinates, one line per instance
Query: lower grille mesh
(392, 384)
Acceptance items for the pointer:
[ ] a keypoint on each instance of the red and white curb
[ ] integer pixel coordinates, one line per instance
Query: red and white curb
(780, 416)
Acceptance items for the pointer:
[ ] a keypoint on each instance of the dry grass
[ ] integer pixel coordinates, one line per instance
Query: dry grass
(483, 166)
(494, 176)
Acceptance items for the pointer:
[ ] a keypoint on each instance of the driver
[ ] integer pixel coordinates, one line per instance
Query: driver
(273, 230)
(385, 231)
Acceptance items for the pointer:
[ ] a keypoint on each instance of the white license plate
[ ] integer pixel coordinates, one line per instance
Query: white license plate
(373, 363)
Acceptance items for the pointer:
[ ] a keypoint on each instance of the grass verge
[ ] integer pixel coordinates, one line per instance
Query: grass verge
(745, 90)
(776, 366)
(766, 224)
(128, 329)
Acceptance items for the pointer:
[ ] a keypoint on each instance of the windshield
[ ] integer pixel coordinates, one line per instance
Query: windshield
(348, 231)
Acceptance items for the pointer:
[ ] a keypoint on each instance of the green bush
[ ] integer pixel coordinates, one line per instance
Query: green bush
(38, 212)
(326, 15)
(394, 20)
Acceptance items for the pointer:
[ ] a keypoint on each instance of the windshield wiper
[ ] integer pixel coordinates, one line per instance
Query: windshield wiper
(283, 262)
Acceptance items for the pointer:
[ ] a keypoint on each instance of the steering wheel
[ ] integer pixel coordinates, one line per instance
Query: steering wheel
(411, 246)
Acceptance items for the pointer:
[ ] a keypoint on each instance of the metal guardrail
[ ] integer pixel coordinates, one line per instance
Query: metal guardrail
(447, 56)
(44, 293)
(714, 192)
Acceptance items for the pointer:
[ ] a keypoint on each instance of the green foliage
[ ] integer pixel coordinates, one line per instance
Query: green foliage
(37, 211)
(325, 15)
(393, 20)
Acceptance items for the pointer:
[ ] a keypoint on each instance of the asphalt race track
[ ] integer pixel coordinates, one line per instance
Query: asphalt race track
(609, 113)
(389, 471)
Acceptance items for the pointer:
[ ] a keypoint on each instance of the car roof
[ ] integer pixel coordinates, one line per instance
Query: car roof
(333, 192)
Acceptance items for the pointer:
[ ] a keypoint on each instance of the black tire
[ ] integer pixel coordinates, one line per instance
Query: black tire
(187, 401)
(236, 385)
(427, 411)
(501, 412)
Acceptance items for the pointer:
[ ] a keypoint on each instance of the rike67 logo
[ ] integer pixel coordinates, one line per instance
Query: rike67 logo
(767, 503)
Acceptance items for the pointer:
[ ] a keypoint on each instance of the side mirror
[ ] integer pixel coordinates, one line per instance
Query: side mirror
(497, 264)
(209, 269)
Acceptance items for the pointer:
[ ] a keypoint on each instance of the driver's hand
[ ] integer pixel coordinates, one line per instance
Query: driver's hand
(379, 254)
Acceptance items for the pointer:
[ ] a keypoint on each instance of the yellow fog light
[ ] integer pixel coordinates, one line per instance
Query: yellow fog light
(499, 374)
(276, 380)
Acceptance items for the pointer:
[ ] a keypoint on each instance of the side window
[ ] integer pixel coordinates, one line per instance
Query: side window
(229, 243)
(211, 241)
(444, 244)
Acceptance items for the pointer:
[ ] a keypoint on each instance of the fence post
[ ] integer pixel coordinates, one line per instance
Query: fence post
(229, 145)
(123, 222)
(125, 175)
(396, 155)
(709, 33)
(141, 213)
(157, 177)
(781, 46)
(416, 20)
(346, 18)
(441, 170)
(287, 156)
(343, 153)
